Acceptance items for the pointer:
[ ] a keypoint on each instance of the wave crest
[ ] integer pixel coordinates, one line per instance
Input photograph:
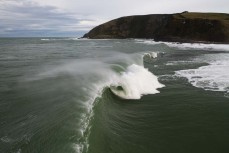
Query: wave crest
(135, 82)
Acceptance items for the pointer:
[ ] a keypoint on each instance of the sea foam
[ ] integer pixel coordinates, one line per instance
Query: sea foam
(213, 77)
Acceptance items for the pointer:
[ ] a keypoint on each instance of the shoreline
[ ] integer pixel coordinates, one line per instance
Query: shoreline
(186, 27)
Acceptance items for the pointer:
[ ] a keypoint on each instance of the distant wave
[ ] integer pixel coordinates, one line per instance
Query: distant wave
(150, 55)
(54, 39)
(185, 46)
(45, 39)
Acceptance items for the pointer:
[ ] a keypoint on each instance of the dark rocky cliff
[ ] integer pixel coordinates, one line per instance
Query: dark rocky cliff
(182, 27)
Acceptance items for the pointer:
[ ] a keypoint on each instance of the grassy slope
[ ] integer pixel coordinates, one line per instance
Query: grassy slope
(211, 16)
(222, 17)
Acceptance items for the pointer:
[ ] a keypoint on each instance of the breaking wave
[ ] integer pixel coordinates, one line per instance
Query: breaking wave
(127, 78)
(135, 82)
(129, 82)
(54, 39)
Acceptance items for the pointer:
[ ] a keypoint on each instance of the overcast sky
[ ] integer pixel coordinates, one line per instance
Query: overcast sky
(75, 17)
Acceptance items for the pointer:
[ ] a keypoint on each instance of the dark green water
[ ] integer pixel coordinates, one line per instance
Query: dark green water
(55, 96)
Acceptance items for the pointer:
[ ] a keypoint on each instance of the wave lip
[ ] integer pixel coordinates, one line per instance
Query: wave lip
(135, 82)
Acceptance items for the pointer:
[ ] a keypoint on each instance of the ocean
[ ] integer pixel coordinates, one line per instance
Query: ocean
(69, 95)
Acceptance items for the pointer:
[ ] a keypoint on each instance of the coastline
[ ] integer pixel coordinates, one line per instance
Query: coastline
(207, 28)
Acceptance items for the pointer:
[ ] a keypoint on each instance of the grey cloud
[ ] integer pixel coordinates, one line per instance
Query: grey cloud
(21, 18)
(70, 17)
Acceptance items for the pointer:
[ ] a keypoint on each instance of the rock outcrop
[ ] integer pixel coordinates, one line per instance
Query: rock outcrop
(181, 27)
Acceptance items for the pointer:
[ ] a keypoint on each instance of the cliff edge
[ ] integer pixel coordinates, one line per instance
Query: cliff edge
(180, 27)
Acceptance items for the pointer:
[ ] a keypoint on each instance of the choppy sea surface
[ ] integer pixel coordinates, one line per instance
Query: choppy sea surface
(69, 95)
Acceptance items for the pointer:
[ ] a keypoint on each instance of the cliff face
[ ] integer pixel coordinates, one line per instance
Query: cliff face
(183, 27)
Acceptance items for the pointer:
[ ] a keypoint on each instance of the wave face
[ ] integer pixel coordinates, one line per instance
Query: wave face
(135, 82)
